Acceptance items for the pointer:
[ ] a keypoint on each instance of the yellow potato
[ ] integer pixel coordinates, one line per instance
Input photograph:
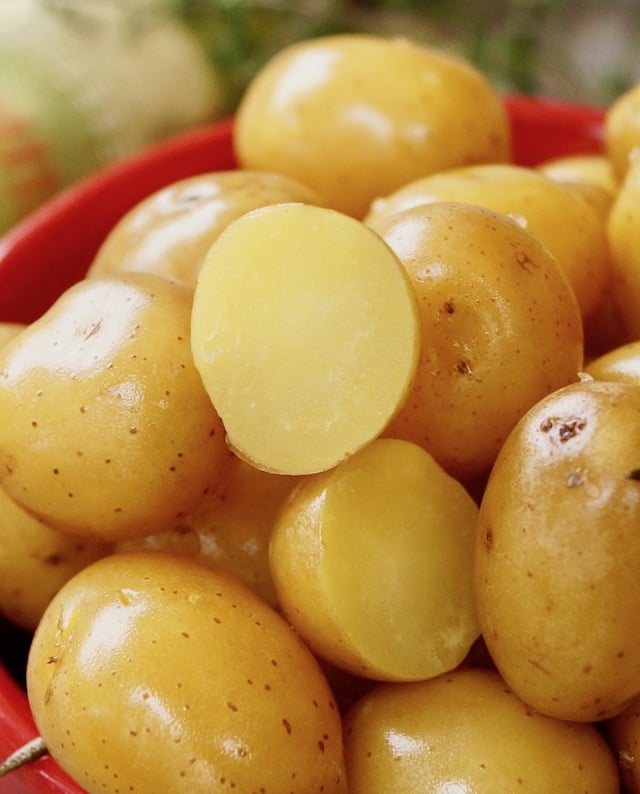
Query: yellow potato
(623, 734)
(619, 364)
(467, 732)
(152, 673)
(558, 550)
(305, 332)
(623, 231)
(232, 526)
(622, 130)
(372, 564)
(500, 329)
(582, 169)
(355, 116)
(170, 232)
(35, 561)
(562, 220)
(107, 429)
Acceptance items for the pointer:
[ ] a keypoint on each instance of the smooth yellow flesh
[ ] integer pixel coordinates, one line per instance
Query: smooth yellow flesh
(305, 333)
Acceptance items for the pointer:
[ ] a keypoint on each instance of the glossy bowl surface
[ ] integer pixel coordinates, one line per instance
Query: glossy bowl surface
(54, 246)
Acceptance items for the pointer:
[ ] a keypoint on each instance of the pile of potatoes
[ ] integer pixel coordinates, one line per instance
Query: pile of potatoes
(326, 478)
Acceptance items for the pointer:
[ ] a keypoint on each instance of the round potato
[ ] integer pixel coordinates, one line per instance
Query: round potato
(623, 734)
(35, 561)
(500, 329)
(231, 527)
(355, 116)
(107, 430)
(582, 169)
(558, 550)
(170, 232)
(623, 230)
(579, 242)
(152, 673)
(622, 130)
(467, 732)
(619, 364)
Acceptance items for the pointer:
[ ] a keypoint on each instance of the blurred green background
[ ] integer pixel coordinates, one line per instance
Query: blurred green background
(84, 83)
(586, 51)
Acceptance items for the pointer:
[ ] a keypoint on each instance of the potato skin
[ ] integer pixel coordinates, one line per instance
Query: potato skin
(623, 735)
(500, 328)
(153, 673)
(355, 116)
(579, 244)
(621, 363)
(622, 129)
(466, 731)
(623, 228)
(35, 561)
(170, 232)
(109, 432)
(558, 552)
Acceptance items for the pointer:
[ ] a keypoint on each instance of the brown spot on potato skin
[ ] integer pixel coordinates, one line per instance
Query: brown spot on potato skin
(566, 428)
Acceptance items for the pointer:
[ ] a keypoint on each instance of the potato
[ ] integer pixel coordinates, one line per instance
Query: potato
(372, 564)
(558, 550)
(231, 527)
(623, 230)
(35, 561)
(500, 329)
(467, 732)
(355, 116)
(578, 242)
(107, 429)
(582, 169)
(170, 232)
(623, 734)
(152, 673)
(621, 132)
(619, 364)
(305, 333)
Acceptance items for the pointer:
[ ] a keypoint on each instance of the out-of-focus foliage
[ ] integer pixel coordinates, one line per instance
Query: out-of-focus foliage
(584, 52)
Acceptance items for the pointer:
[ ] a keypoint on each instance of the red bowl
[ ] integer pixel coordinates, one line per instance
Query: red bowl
(52, 248)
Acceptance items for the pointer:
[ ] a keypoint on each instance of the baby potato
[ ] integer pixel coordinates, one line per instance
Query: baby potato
(590, 175)
(500, 329)
(623, 230)
(620, 364)
(108, 431)
(35, 561)
(579, 242)
(621, 132)
(231, 527)
(582, 169)
(558, 551)
(467, 732)
(305, 333)
(152, 673)
(170, 232)
(372, 564)
(623, 734)
(355, 116)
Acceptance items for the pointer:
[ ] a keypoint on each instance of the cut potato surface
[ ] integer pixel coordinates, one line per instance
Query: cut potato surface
(305, 332)
(170, 232)
(372, 564)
